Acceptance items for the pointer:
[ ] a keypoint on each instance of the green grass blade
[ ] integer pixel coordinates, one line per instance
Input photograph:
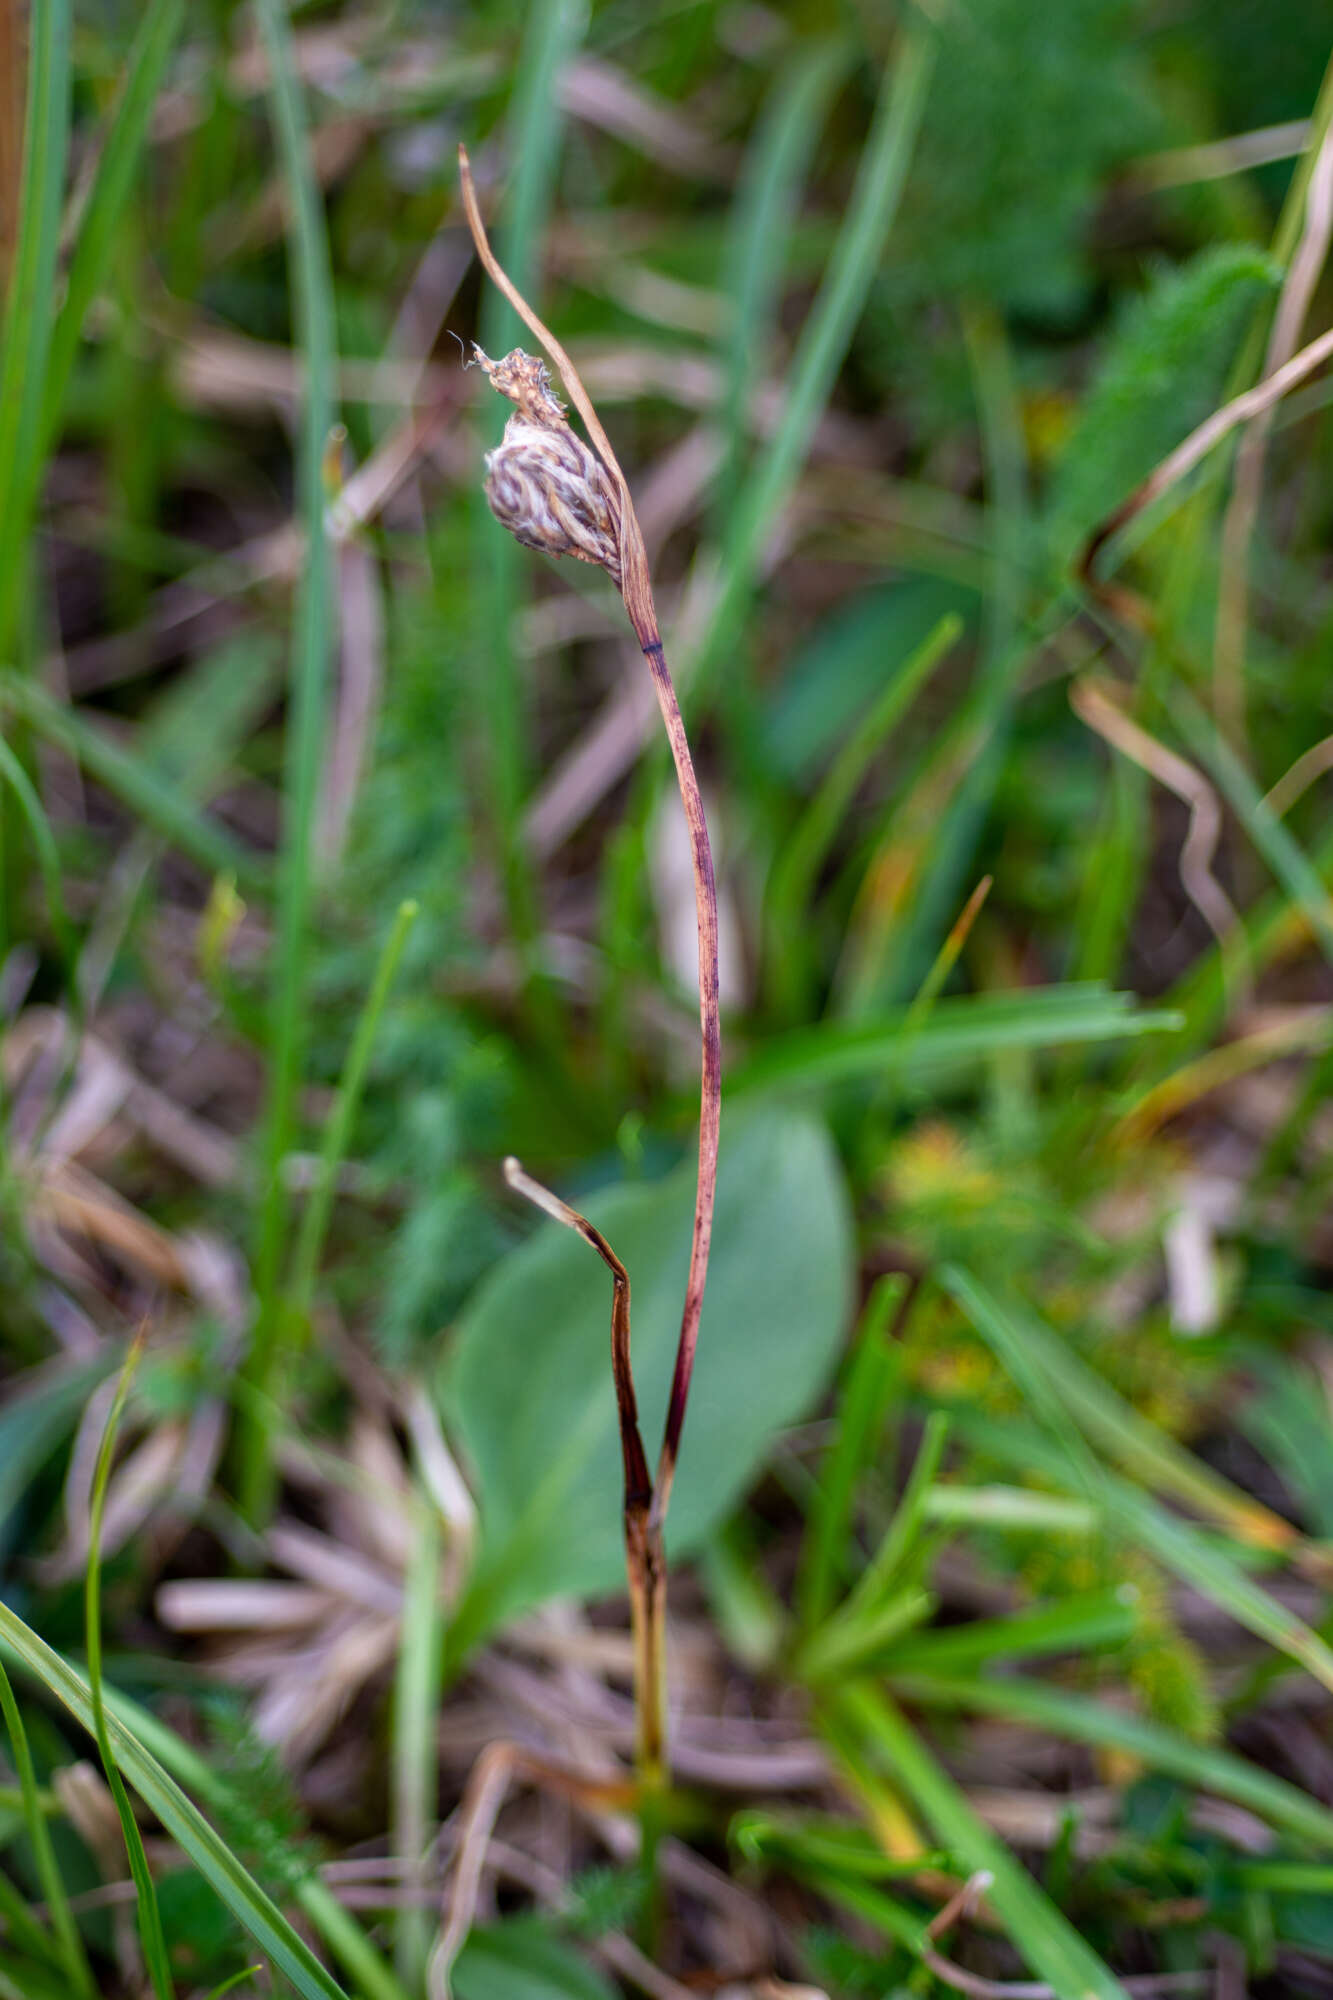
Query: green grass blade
(797, 867)
(1137, 1445)
(110, 190)
(759, 233)
(1175, 1543)
(1197, 1562)
(338, 1128)
(1049, 1943)
(65, 1931)
(146, 792)
(27, 323)
(1078, 1624)
(1080, 1719)
(237, 1978)
(904, 1529)
(48, 858)
(28, 1984)
(335, 1925)
(1018, 1507)
(19, 1923)
(151, 1934)
(312, 639)
(957, 1034)
(856, 1644)
(416, 1692)
(905, 950)
(255, 1911)
(860, 1420)
(826, 335)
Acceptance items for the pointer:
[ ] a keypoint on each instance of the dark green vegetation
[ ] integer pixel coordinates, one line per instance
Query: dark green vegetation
(339, 858)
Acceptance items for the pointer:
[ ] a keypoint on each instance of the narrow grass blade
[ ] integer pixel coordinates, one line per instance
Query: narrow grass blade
(861, 1411)
(899, 1543)
(416, 1692)
(42, 1407)
(906, 950)
(312, 638)
(160, 804)
(338, 1128)
(20, 1925)
(1196, 1562)
(1174, 1543)
(745, 1607)
(151, 1935)
(819, 1840)
(850, 1644)
(331, 1922)
(237, 1979)
(27, 321)
(1078, 1625)
(27, 1983)
(855, 1891)
(1015, 1507)
(202, 1845)
(1139, 1446)
(826, 335)
(797, 867)
(958, 1034)
(116, 168)
(1049, 1943)
(48, 858)
(1080, 1719)
(759, 232)
(64, 1929)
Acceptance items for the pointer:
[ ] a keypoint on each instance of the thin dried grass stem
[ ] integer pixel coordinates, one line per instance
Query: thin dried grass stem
(554, 493)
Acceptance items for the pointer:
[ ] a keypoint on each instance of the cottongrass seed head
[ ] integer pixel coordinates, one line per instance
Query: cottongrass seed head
(543, 482)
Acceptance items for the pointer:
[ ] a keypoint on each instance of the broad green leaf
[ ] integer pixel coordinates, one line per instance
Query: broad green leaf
(528, 1382)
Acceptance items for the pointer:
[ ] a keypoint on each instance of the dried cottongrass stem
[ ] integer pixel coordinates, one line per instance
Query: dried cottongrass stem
(567, 497)
(543, 482)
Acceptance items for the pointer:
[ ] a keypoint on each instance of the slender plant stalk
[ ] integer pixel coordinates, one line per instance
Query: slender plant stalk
(555, 494)
(13, 61)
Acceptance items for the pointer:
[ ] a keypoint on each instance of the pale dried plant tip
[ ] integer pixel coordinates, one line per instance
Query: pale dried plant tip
(543, 482)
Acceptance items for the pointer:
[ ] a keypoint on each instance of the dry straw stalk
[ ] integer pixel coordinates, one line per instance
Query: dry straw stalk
(567, 497)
